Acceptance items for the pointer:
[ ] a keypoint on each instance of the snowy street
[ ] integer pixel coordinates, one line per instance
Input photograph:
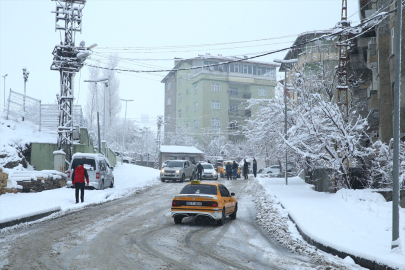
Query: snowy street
(137, 232)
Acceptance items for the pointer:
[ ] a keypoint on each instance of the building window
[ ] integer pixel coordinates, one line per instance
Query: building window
(215, 104)
(233, 125)
(250, 69)
(195, 125)
(169, 85)
(167, 101)
(245, 69)
(215, 87)
(188, 91)
(233, 109)
(233, 91)
(259, 71)
(392, 40)
(180, 97)
(196, 89)
(196, 106)
(188, 76)
(168, 117)
(180, 79)
(262, 92)
(187, 108)
(273, 72)
(180, 113)
(215, 122)
(187, 125)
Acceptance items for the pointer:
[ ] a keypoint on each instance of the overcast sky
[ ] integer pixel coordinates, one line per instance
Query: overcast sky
(162, 28)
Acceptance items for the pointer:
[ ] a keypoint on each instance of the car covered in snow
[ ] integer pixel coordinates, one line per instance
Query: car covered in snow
(98, 168)
(204, 200)
(209, 171)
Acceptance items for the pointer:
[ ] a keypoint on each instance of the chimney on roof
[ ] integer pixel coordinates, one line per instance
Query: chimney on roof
(176, 60)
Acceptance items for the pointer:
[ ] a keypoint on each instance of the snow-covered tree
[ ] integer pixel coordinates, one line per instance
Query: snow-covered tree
(90, 109)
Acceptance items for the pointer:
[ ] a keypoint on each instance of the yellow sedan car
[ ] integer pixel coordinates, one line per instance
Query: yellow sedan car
(212, 200)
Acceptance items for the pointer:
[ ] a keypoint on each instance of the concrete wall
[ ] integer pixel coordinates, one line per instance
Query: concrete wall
(42, 153)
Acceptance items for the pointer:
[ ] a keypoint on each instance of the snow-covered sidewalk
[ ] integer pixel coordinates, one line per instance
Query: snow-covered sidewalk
(357, 222)
(128, 179)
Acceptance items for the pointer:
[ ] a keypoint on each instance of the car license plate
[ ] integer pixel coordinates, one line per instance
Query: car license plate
(194, 203)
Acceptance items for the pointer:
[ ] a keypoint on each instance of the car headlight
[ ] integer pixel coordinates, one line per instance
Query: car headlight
(214, 172)
(178, 171)
(162, 170)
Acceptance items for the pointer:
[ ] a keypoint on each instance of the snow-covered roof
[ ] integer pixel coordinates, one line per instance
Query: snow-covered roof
(179, 149)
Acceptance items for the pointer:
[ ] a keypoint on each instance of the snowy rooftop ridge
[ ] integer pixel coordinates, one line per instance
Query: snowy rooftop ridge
(179, 149)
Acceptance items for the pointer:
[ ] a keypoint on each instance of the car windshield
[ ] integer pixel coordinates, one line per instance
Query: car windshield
(206, 166)
(89, 164)
(275, 167)
(199, 189)
(174, 164)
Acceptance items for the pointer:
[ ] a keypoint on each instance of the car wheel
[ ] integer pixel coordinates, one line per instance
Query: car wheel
(177, 220)
(233, 215)
(112, 183)
(182, 178)
(221, 221)
(163, 180)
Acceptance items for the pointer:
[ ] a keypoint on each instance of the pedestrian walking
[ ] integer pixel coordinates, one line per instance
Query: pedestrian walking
(228, 169)
(200, 169)
(245, 169)
(254, 167)
(78, 176)
(235, 167)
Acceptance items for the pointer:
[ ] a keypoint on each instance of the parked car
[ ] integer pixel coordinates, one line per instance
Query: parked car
(178, 170)
(209, 171)
(98, 168)
(164, 164)
(273, 170)
(128, 160)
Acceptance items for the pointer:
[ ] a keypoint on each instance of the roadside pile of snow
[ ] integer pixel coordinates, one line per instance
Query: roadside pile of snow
(274, 219)
(356, 222)
(15, 139)
(129, 179)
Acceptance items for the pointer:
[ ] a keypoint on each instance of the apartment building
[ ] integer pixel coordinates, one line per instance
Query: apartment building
(209, 93)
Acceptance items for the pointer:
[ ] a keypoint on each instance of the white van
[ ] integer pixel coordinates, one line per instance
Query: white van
(98, 168)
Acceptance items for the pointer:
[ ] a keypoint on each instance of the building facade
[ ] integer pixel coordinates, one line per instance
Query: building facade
(209, 94)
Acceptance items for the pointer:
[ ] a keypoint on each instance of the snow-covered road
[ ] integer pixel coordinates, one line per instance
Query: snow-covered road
(137, 232)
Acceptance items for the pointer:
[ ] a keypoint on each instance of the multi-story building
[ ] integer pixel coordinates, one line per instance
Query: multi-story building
(209, 93)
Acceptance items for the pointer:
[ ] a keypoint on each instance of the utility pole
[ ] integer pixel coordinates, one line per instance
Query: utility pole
(25, 76)
(395, 244)
(285, 62)
(4, 77)
(343, 44)
(125, 123)
(157, 154)
(68, 59)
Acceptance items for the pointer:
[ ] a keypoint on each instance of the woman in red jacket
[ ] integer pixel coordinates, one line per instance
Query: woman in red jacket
(78, 176)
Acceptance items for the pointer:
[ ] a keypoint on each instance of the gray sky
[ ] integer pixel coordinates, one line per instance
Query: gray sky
(27, 38)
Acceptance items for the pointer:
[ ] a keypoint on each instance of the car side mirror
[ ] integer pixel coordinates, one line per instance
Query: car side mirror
(232, 194)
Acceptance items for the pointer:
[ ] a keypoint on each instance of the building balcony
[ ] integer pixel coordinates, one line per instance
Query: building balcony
(240, 113)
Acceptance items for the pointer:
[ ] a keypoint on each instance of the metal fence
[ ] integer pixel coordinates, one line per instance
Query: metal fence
(45, 116)
(24, 107)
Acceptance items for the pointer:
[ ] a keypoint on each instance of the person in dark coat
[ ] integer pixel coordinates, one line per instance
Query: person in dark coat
(228, 169)
(254, 167)
(200, 169)
(245, 169)
(235, 167)
(78, 176)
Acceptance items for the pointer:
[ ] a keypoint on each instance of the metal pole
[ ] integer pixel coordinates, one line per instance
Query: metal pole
(105, 119)
(40, 115)
(98, 129)
(5, 90)
(395, 244)
(125, 124)
(24, 97)
(285, 123)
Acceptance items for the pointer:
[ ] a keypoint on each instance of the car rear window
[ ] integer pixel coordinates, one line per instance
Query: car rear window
(89, 164)
(207, 166)
(200, 189)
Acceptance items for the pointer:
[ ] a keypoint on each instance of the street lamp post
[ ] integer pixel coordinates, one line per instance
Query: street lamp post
(291, 61)
(125, 123)
(25, 76)
(4, 77)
